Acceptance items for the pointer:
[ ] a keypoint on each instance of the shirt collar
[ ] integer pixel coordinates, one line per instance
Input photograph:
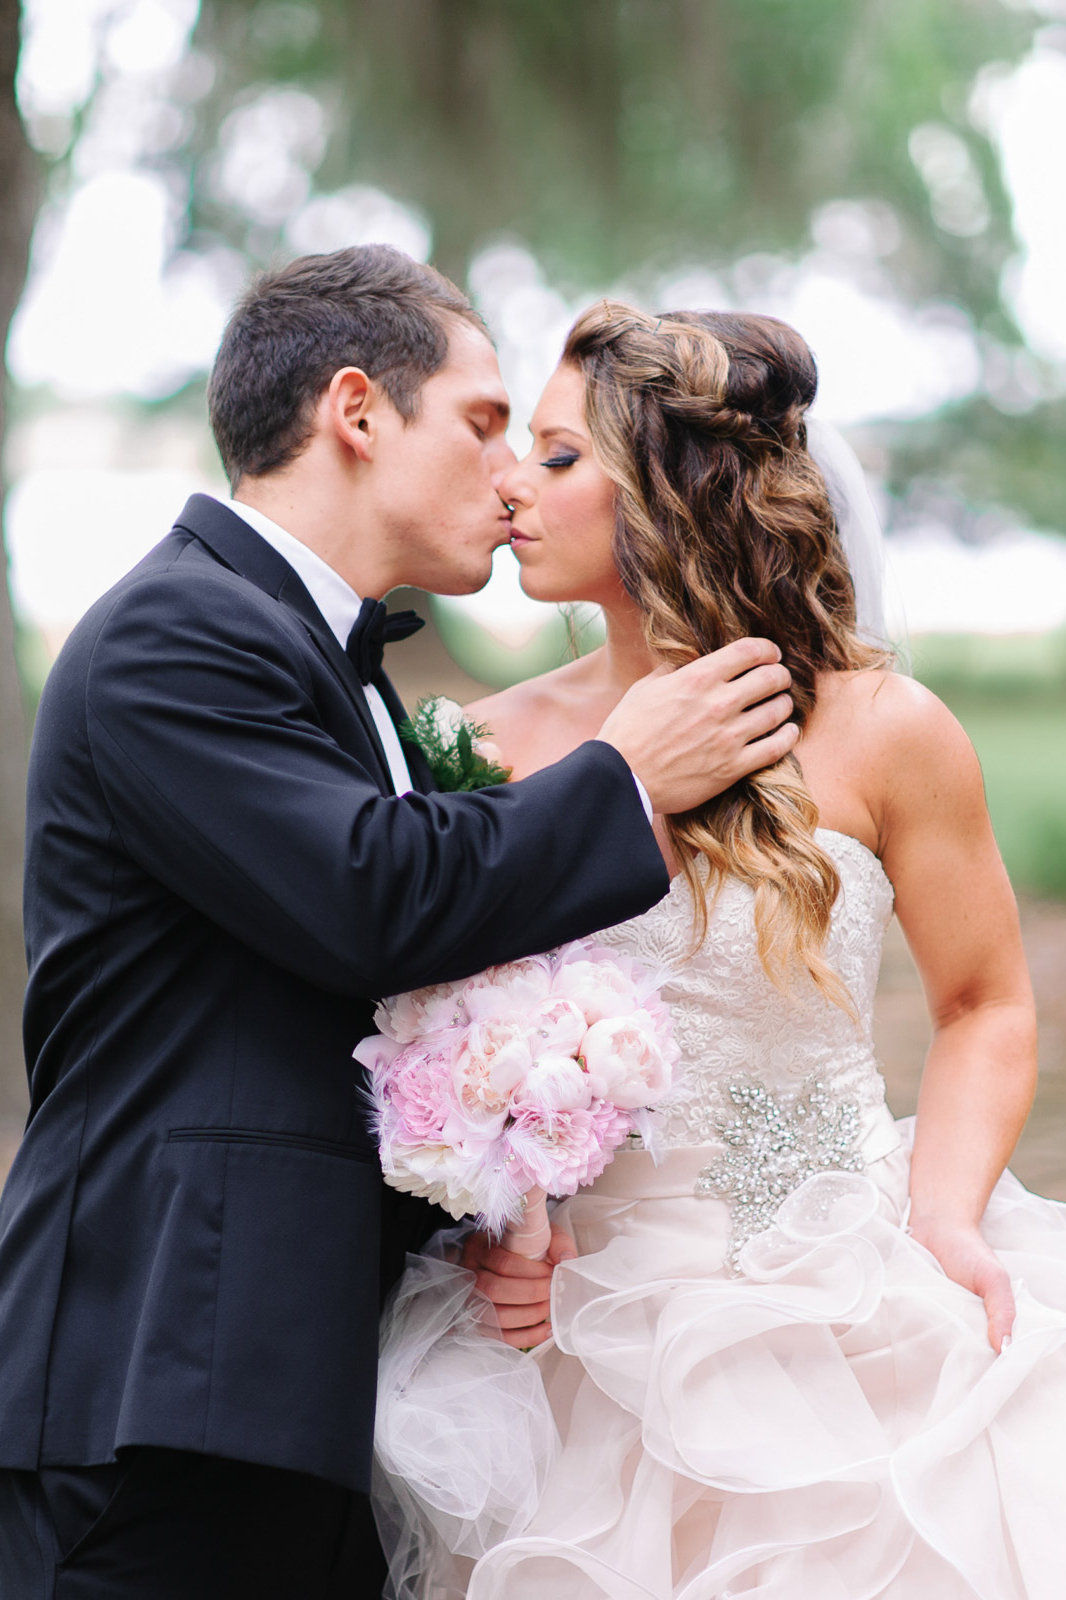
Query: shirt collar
(337, 600)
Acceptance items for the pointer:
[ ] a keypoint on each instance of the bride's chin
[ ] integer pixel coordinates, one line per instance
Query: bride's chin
(534, 588)
(552, 588)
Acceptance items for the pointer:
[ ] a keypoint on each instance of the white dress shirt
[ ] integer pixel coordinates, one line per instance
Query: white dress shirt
(339, 605)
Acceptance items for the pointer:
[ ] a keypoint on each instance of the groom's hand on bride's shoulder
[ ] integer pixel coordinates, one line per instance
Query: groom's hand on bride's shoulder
(689, 733)
(519, 1289)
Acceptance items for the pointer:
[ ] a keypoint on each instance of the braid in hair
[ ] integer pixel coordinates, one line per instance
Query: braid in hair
(723, 528)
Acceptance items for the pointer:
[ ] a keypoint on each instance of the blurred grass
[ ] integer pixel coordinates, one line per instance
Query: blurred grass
(1009, 693)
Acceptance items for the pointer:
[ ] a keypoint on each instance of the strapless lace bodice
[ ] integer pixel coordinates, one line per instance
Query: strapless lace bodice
(738, 1033)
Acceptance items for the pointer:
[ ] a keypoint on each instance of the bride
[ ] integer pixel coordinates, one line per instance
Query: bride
(808, 1351)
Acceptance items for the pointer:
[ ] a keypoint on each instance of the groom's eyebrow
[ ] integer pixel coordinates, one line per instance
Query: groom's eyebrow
(493, 403)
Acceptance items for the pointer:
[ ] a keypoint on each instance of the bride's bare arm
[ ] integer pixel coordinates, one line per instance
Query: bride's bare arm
(956, 907)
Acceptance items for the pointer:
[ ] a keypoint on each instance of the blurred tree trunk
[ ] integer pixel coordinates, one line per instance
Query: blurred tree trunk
(19, 187)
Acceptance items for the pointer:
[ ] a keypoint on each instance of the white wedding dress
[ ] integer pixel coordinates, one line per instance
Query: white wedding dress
(759, 1384)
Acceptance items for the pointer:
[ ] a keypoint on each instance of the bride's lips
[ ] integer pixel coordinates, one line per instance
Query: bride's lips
(518, 538)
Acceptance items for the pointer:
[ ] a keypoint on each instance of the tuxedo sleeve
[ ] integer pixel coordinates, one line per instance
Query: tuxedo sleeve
(207, 740)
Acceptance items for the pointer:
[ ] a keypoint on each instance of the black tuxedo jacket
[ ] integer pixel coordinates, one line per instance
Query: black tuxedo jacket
(219, 881)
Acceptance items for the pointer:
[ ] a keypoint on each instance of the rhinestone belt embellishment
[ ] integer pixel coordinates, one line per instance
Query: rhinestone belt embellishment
(773, 1142)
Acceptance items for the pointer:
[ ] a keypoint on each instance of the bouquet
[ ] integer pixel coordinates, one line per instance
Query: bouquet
(494, 1091)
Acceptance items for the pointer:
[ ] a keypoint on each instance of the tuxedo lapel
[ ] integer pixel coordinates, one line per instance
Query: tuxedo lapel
(237, 545)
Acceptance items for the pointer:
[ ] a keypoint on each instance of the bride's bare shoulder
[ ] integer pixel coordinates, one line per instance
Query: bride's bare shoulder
(522, 717)
(888, 706)
(899, 731)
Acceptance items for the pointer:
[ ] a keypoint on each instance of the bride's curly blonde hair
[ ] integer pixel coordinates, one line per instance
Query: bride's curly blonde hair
(723, 528)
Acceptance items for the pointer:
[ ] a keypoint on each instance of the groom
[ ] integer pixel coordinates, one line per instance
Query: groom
(229, 855)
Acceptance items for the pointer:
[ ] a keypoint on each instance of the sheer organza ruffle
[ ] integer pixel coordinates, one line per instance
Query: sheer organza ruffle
(831, 1422)
(465, 1432)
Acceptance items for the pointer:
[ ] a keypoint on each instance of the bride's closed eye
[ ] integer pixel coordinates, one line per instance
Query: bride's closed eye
(562, 459)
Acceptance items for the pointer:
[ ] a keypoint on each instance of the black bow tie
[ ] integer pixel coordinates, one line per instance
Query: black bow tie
(373, 629)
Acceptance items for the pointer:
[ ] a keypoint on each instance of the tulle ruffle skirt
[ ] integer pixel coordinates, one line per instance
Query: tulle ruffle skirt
(829, 1423)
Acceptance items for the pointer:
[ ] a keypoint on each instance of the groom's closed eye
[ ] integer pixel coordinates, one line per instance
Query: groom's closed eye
(488, 416)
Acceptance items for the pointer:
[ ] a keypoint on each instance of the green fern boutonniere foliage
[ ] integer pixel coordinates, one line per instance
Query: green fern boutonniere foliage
(449, 742)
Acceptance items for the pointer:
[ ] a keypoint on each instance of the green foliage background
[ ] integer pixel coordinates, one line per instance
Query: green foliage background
(618, 139)
(615, 137)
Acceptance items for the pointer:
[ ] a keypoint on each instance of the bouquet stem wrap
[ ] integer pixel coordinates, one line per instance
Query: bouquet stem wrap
(532, 1236)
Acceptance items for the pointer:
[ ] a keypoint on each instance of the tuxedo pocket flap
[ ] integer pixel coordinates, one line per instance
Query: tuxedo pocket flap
(280, 1140)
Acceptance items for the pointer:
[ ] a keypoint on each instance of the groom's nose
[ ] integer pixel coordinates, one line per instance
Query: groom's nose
(501, 459)
(509, 483)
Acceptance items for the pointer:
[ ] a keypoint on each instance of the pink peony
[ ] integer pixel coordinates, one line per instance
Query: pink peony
(419, 1093)
(561, 1151)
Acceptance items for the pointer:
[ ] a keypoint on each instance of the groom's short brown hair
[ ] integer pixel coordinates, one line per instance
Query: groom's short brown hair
(368, 306)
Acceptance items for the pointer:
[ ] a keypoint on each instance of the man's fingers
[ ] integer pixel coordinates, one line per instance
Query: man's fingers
(743, 655)
(766, 752)
(757, 686)
(764, 718)
(731, 661)
(734, 664)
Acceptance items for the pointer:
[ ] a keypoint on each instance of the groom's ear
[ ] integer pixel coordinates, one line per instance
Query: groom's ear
(351, 406)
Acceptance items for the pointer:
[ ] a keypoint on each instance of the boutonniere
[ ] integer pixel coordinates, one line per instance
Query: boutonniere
(451, 744)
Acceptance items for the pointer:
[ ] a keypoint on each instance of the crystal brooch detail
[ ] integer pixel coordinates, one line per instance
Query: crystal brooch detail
(773, 1142)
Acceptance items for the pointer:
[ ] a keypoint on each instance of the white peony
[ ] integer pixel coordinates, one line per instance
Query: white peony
(421, 1012)
(492, 1059)
(514, 988)
(556, 1028)
(598, 988)
(438, 1172)
(555, 1083)
(626, 1064)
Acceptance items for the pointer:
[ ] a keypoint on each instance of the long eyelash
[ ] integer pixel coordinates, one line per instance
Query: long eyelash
(559, 461)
